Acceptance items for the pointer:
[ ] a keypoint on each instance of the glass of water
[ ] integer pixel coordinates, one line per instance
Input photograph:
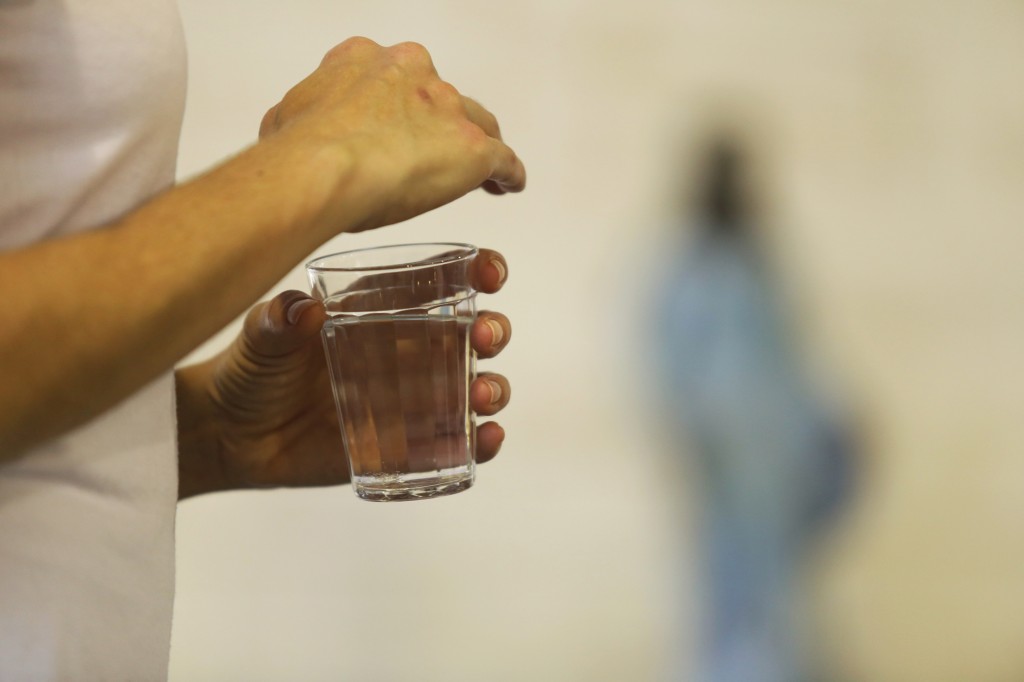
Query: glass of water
(397, 344)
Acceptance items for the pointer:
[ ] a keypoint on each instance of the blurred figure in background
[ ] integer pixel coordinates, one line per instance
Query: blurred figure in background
(773, 461)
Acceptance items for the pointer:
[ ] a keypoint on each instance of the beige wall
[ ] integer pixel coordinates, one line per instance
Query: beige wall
(895, 142)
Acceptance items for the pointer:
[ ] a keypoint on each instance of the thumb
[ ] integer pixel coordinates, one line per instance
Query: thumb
(283, 324)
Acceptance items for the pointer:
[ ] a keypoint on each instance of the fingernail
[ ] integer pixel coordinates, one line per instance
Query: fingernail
(495, 391)
(296, 309)
(497, 332)
(500, 267)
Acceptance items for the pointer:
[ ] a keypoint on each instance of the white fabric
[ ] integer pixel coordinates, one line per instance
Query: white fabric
(91, 99)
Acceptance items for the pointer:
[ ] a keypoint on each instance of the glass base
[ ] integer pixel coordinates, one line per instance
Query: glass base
(399, 487)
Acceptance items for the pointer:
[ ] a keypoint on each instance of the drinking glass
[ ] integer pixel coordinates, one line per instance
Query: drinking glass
(400, 360)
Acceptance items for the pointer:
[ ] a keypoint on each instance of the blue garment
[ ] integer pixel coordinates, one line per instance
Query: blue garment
(774, 463)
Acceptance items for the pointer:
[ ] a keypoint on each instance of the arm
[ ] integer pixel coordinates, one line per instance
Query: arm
(370, 138)
(90, 318)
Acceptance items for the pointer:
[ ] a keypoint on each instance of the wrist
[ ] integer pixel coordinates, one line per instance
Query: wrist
(200, 464)
(319, 177)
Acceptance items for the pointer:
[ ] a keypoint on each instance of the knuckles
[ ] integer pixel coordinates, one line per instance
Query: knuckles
(406, 54)
(444, 94)
(351, 47)
(411, 54)
(270, 122)
(476, 139)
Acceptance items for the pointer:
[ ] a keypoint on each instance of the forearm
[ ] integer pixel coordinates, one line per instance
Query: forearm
(89, 319)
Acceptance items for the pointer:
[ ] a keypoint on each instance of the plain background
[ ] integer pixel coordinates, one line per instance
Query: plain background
(893, 144)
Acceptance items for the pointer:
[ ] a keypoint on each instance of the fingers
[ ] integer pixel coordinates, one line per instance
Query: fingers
(482, 117)
(490, 334)
(489, 393)
(283, 324)
(278, 326)
(491, 331)
(490, 271)
(489, 438)
(506, 171)
(509, 173)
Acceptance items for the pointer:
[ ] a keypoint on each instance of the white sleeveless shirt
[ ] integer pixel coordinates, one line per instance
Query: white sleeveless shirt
(91, 100)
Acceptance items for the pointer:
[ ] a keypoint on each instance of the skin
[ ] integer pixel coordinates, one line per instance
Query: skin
(261, 414)
(372, 137)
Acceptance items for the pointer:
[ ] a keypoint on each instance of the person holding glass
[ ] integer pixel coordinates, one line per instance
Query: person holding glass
(111, 274)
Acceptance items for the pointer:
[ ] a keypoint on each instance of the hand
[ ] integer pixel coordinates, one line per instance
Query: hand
(261, 413)
(414, 142)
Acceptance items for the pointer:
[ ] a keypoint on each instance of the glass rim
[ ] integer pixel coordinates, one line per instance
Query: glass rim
(466, 251)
